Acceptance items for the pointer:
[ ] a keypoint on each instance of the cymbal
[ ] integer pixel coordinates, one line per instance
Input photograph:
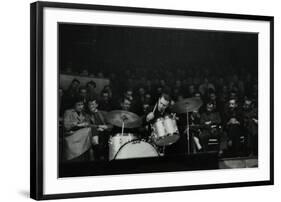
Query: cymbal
(117, 117)
(187, 105)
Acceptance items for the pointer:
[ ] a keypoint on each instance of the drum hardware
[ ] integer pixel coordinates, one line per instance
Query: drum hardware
(185, 106)
(165, 131)
(123, 119)
(136, 149)
(117, 141)
(204, 126)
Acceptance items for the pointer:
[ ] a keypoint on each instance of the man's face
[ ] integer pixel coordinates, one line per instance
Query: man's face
(159, 90)
(126, 105)
(191, 89)
(83, 92)
(162, 104)
(206, 81)
(213, 96)
(247, 104)
(129, 94)
(105, 96)
(197, 95)
(162, 82)
(141, 91)
(209, 107)
(79, 106)
(75, 84)
(233, 95)
(91, 86)
(178, 83)
(145, 107)
(232, 104)
(180, 98)
(93, 105)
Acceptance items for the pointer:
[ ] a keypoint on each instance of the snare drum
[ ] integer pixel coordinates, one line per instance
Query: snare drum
(136, 149)
(116, 142)
(165, 131)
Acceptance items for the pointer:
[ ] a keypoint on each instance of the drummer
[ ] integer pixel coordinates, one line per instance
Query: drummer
(160, 109)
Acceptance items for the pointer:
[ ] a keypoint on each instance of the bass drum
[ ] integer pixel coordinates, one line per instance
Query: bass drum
(117, 141)
(136, 149)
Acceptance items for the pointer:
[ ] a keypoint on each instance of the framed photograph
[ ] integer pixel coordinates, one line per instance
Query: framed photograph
(136, 100)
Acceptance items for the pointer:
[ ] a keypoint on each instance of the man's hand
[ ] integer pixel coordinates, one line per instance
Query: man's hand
(103, 127)
(83, 124)
(95, 140)
(150, 116)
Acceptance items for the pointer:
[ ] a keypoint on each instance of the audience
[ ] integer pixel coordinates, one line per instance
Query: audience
(230, 97)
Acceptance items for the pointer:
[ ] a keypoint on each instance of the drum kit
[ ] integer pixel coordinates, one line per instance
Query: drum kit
(127, 145)
(164, 132)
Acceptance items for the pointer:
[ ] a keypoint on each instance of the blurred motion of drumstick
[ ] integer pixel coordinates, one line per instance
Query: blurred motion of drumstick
(154, 108)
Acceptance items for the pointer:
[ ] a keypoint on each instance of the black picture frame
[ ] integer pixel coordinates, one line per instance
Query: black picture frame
(37, 99)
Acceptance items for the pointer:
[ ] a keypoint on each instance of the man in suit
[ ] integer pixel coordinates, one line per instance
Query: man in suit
(99, 128)
(210, 121)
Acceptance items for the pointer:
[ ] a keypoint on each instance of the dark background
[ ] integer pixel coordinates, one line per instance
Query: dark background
(102, 47)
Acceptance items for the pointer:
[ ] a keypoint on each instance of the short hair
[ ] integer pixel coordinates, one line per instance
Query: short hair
(104, 91)
(77, 99)
(92, 98)
(91, 83)
(75, 80)
(165, 96)
(123, 99)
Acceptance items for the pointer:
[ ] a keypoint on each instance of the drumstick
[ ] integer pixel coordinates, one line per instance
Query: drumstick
(154, 108)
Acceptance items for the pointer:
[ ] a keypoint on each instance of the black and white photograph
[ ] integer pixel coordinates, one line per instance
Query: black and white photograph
(177, 99)
(128, 100)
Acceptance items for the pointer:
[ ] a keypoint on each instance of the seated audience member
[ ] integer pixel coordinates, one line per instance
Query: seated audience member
(147, 98)
(108, 89)
(100, 75)
(99, 128)
(91, 89)
(84, 72)
(205, 86)
(232, 126)
(144, 108)
(191, 91)
(105, 102)
(212, 97)
(250, 125)
(68, 70)
(69, 94)
(128, 95)
(126, 104)
(211, 125)
(77, 136)
(83, 93)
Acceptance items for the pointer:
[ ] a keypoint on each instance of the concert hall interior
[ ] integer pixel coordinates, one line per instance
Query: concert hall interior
(132, 94)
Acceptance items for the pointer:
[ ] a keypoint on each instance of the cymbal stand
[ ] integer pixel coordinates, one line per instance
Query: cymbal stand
(187, 133)
(122, 131)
